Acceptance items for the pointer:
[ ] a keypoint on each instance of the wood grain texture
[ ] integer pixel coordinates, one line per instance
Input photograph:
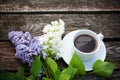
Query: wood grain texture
(7, 57)
(108, 24)
(114, 76)
(113, 52)
(9, 62)
(58, 5)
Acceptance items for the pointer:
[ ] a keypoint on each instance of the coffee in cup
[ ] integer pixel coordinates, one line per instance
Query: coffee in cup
(86, 43)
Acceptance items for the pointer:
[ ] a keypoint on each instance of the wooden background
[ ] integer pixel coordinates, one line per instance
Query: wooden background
(32, 15)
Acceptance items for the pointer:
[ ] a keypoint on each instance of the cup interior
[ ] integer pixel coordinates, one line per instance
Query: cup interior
(90, 33)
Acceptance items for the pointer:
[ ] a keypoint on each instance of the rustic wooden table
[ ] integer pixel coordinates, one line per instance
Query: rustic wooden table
(31, 15)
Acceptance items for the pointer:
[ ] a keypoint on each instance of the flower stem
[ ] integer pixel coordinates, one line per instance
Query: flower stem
(82, 77)
(45, 70)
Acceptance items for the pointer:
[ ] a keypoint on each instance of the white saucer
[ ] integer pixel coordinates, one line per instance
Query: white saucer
(67, 51)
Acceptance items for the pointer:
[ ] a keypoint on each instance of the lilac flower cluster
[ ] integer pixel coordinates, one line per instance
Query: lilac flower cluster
(26, 46)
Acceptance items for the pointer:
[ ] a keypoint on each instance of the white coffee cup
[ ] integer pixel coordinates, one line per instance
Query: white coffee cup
(98, 37)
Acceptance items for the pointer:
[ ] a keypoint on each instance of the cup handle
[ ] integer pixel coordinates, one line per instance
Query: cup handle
(100, 36)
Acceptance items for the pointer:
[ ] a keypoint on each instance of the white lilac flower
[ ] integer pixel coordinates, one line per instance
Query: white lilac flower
(55, 27)
(51, 40)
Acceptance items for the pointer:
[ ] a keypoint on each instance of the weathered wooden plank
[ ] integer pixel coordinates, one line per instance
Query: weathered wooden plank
(108, 24)
(7, 57)
(9, 62)
(114, 76)
(113, 52)
(58, 5)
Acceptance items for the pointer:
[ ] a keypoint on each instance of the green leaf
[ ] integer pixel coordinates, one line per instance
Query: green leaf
(103, 69)
(77, 63)
(57, 75)
(4, 75)
(64, 77)
(30, 78)
(52, 65)
(36, 66)
(44, 78)
(70, 71)
(20, 74)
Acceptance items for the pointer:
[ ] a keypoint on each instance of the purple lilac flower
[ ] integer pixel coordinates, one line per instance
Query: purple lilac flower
(26, 46)
(35, 45)
(18, 37)
(24, 53)
(44, 55)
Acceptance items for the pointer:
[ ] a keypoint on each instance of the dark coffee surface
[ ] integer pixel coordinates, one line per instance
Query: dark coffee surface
(85, 43)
